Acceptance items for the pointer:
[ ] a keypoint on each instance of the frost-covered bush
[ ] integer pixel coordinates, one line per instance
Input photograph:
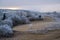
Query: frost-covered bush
(34, 16)
(17, 18)
(25, 20)
(1, 16)
(8, 21)
(6, 27)
(5, 30)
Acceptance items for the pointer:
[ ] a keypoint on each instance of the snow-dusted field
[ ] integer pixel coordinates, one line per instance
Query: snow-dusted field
(50, 22)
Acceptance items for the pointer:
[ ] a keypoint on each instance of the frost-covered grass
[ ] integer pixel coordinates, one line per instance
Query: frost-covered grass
(14, 17)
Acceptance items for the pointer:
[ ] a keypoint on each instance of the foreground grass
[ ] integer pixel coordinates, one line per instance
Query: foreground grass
(51, 35)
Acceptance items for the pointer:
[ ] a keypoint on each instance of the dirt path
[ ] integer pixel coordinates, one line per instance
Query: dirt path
(35, 25)
(32, 26)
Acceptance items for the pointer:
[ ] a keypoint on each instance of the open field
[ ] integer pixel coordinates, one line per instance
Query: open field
(21, 34)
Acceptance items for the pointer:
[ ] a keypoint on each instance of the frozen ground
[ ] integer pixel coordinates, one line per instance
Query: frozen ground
(50, 22)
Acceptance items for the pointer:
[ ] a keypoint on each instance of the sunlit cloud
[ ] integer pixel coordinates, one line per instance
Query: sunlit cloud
(13, 8)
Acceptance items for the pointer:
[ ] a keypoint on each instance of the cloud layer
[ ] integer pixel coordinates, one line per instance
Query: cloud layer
(44, 5)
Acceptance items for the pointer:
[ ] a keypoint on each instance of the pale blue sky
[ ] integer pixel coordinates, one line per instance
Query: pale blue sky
(42, 5)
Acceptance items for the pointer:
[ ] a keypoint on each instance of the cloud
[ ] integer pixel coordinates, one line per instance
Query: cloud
(27, 2)
(42, 5)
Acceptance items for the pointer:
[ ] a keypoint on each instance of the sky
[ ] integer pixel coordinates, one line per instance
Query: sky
(37, 5)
